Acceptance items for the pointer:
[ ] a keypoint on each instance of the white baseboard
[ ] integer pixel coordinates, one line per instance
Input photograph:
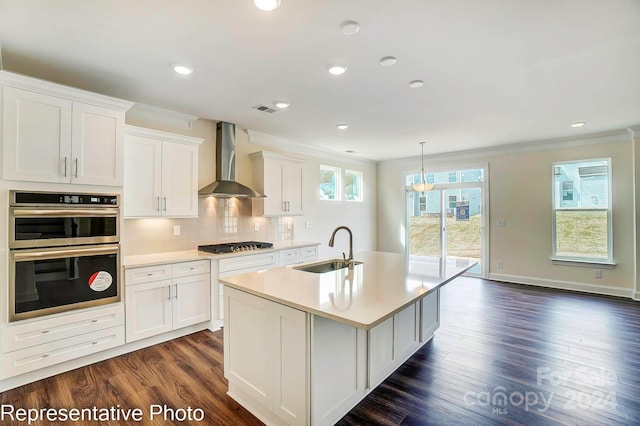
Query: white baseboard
(636, 296)
(567, 285)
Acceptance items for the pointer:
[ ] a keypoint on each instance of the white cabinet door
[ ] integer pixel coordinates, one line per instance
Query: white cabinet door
(36, 136)
(405, 333)
(179, 179)
(291, 366)
(430, 315)
(292, 184)
(97, 145)
(280, 178)
(143, 176)
(247, 343)
(273, 178)
(191, 300)
(149, 309)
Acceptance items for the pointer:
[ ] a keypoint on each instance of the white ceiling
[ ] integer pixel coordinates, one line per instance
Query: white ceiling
(495, 71)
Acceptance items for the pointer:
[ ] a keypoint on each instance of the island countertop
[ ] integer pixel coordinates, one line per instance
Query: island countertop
(382, 285)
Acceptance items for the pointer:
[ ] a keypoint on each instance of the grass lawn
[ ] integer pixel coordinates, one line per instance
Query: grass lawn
(579, 234)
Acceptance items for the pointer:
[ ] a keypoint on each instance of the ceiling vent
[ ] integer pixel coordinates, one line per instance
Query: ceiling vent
(264, 108)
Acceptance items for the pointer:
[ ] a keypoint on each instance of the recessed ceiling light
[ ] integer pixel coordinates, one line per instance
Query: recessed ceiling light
(387, 61)
(349, 27)
(578, 124)
(416, 83)
(183, 69)
(267, 5)
(343, 126)
(337, 69)
(281, 104)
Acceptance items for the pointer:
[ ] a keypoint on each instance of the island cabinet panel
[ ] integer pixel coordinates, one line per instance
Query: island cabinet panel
(266, 357)
(392, 342)
(338, 369)
(429, 315)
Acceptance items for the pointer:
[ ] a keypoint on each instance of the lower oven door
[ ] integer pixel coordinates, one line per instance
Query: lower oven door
(51, 280)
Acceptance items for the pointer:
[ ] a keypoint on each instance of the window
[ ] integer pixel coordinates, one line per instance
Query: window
(582, 211)
(352, 185)
(329, 183)
(422, 204)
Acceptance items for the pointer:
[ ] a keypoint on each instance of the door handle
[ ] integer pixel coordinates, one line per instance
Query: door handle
(76, 167)
(176, 293)
(169, 287)
(158, 203)
(65, 166)
(165, 204)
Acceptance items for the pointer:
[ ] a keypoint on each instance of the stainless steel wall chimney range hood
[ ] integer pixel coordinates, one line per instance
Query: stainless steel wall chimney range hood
(225, 185)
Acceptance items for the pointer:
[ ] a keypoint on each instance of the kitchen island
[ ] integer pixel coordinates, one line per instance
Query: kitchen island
(304, 348)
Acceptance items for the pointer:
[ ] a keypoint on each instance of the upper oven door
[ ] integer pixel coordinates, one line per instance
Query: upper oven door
(51, 227)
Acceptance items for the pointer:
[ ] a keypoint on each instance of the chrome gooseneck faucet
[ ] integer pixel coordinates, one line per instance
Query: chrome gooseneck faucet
(349, 260)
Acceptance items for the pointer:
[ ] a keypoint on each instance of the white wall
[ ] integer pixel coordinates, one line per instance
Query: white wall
(156, 234)
(520, 191)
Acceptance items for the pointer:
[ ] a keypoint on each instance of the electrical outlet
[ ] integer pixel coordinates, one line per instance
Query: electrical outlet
(289, 225)
(308, 224)
(499, 264)
(256, 226)
(597, 274)
(502, 223)
(176, 230)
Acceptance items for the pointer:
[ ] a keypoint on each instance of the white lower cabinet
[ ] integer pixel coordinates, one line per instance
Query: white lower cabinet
(266, 357)
(298, 255)
(289, 367)
(392, 342)
(155, 306)
(31, 345)
(429, 315)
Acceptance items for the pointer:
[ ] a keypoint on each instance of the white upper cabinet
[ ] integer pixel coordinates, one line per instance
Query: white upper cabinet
(57, 134)
(161, 174)
(280, 178)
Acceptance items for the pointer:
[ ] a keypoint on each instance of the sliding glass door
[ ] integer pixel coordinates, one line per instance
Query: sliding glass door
(447, 221)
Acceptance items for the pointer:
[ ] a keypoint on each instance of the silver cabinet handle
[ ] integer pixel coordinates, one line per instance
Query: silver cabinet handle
(165, 204)
(284, 206)
(176, 294)
(76, 167)
(65, 166)
(169, 287)
(45, 331)
(158, 203)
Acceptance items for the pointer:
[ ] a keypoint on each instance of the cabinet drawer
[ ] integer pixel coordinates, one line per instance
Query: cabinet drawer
(289, 257)
(249, 263)
(196, 267)
(33, 358)
(15, 337)
(309, 252)
(147, 274)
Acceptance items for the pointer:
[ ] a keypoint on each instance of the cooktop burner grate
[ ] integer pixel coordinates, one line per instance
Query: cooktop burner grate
(234, 247)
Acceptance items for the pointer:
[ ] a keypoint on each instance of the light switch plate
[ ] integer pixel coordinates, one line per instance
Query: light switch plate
(176, 230)
(502, 223)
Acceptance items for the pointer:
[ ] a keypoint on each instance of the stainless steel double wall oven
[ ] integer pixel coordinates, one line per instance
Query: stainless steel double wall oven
(64, 252)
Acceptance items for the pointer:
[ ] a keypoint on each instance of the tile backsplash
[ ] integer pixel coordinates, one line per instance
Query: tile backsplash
(220, 220)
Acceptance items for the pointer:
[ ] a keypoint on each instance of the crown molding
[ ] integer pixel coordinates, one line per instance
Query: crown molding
(54, 89)
(288, 145)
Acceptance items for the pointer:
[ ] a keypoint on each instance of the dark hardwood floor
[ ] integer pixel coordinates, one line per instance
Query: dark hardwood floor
(504, 354)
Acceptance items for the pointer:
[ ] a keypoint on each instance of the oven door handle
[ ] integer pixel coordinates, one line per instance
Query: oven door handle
(68, 212)
(27, 255)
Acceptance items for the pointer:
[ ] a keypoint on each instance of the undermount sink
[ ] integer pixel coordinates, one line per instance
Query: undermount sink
(326, 266)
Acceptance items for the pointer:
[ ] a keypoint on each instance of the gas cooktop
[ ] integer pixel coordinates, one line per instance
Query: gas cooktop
(234, 247)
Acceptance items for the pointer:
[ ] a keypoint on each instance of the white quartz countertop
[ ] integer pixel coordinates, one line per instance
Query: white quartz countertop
(136, 261)
(373, 291)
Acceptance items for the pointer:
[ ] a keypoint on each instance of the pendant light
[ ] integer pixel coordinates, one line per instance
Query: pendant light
(423, 186)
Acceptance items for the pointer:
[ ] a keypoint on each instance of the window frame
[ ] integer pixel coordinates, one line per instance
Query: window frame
(557, 191)
(338, 176)
(360, 181)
